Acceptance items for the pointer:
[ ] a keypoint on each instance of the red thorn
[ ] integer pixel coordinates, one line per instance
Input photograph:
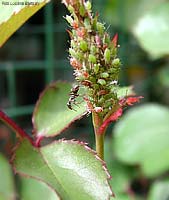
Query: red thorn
(130, 101)
(97, 14)
(114, 40)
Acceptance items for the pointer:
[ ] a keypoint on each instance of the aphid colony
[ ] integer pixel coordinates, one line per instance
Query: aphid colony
(93, 56)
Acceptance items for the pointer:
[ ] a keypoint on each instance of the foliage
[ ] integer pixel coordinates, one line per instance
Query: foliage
(7, 190)
(147, 20)
(69, 167)
(159, 190)
(14, 15)
(132, 141)
(34, 189)
(51, 114)
(152, 31)
(136, 153)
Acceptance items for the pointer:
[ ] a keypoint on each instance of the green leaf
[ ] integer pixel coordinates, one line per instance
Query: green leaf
(152, 31)
(121, 196)
(141, 137)
(51, 114)
(159, 190)
(147, 19)
(13, 16)
(162, 77)
(121, 176)
(32, 189)
(69, 167)
(126, 14)
(7, 191)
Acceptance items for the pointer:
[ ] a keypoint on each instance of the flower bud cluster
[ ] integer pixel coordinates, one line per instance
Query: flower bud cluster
(93, 56)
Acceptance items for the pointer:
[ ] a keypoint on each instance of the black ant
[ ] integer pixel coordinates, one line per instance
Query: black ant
(73, 95)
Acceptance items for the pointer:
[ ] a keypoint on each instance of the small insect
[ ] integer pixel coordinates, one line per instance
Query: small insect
(73, 95)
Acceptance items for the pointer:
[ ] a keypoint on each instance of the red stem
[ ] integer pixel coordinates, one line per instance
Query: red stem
(38, 141)
(19, 132)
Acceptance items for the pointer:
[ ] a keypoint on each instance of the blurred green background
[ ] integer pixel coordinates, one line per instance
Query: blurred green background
(137, 153)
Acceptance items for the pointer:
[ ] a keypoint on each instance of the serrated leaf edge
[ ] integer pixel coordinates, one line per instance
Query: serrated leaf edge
(45, 184)
(73, 141)
(16, 12)
(26, 175)
(91, 151)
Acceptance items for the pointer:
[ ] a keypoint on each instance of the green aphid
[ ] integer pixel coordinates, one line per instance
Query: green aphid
(102, 69)
(92, 79)
(87, 24)
(90, 92)
(93, 49)
(96, 86)
(108, 96)
(79, 56)
(83, 46)
(101, 100)
(96, 68)
(104, 75)
(112, 70)
(80, 78)
(108, 104)
(92, 58)
(88, 6)
(94, 23)
(101, 81)
(106, 110)
(114, 52)
(82, 11)
(74, 33)
(116, 62)
(107, 55)
(106, 39)
(71, 9)
(115, 76)
(100, 28)
(73, 44)
(91, 98)
(72, 52)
